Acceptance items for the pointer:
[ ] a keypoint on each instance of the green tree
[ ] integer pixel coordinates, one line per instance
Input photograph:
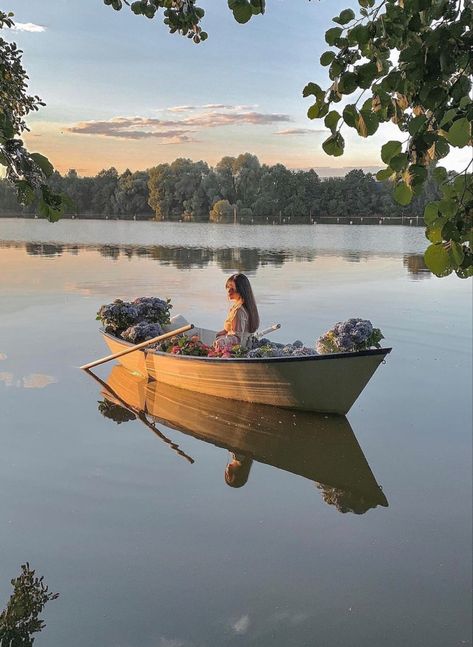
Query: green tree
(131, 194)
(222, 212)
(27, 171)
(425, 93)
(20, 619)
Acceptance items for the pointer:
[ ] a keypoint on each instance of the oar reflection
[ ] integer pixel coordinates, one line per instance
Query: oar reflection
(319, 447)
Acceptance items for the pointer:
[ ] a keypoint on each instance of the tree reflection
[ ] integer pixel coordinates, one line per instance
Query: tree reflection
(20, 619)
(416, 266)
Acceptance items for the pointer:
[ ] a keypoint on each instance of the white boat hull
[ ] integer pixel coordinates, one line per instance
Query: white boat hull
(324, 383)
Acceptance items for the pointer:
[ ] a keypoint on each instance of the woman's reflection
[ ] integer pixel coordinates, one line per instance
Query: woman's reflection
(238, 469)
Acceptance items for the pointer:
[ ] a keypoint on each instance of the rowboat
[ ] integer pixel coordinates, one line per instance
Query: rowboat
(321, 448)
(323, 383)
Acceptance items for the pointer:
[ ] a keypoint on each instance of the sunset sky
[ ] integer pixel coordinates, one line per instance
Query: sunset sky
(121, 91)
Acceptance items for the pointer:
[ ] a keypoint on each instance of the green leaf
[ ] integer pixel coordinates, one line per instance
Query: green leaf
(345, 17)
(403, 194)
(313, 88)
(416, 124)
(242, 12)
(442, 148)
(332, 119)
(437, 259)
(398, 162)
(367, 123)
(448, 116)
(257, 6)
(43, 163)
(25, 192)
(448, 207)
(317, 110)
(366, 74)
(350, 115)
(457, 254)
(327, 58)
(384, 174)
(434, 233)
(347, 83)
(459, 133)
(431, 213)
(440, 174)
(389, 150)
(334, 145)
(332, 35)
(418, 174)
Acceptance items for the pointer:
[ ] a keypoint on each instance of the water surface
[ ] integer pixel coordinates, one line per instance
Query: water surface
(356, 534)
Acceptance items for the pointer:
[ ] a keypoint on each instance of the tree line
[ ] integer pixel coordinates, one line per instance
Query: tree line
(237, 189)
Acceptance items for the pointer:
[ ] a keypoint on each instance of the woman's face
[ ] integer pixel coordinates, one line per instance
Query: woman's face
(232, 291)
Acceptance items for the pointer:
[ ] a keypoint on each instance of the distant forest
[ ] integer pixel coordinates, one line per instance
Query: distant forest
(237, 189)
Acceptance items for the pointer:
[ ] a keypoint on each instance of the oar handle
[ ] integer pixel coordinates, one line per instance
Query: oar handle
(143, 344)
(266, 331)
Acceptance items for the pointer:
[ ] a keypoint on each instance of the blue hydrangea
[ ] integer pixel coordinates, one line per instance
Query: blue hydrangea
(142, 331)
(152, 309)
(118, 316)
(349, 336)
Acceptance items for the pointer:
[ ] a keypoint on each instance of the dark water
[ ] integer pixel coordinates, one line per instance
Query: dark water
(348, 533)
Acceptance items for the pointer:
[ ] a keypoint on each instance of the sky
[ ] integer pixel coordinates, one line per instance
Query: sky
(121, 91)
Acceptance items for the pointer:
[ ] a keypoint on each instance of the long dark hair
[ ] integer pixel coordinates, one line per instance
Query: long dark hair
(243, 288)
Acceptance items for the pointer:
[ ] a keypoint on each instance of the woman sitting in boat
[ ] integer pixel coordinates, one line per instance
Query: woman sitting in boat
(243, 317)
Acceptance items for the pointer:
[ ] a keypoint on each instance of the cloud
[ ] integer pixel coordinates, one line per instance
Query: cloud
(132, 128)
(28, 26)
(182, 108)
(241, 625)
(172, 130)
(299, 131)
(210, 106)
(215, 119)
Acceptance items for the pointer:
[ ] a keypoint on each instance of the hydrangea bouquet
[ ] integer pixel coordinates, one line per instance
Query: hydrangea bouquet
(349, 336)
(137, 321)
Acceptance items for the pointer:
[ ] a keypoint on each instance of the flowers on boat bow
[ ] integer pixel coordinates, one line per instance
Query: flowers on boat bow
(128, 319)
(349, 336)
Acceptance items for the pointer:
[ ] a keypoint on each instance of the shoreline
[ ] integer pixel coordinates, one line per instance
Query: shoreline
(415, 221)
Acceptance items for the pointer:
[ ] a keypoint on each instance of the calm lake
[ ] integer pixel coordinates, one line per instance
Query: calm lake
(347, 534)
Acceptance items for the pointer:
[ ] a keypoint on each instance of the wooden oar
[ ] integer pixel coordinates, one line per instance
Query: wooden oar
(143, 344)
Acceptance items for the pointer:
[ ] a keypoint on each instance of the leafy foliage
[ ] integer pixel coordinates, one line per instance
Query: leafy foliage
(184, 16)
(27, 171)
(115, 412)
(21, 619)
(425, 93)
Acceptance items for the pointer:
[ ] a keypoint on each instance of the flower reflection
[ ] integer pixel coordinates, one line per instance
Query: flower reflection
(241, 626)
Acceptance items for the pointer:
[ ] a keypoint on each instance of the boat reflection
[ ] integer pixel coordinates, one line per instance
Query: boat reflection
(319, 447)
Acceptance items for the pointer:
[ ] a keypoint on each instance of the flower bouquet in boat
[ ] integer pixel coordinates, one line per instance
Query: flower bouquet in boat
(327, 378)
